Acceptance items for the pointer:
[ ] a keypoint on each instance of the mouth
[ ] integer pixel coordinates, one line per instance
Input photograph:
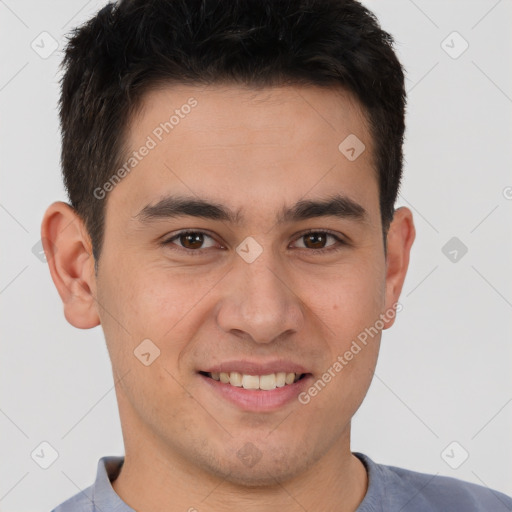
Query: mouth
(256, 382)
(256, 388)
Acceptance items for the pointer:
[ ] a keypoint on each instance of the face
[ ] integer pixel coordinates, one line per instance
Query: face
(270, 286)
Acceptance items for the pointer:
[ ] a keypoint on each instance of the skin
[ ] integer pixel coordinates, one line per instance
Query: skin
(256, 151)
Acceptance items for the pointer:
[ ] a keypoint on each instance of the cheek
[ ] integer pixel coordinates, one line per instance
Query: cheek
(351, 298)
(165, 305)
(349, 306)
(139, 306)
(149, 299)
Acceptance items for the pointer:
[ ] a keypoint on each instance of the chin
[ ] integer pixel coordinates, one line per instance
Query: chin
(251, 468)
(265, 475)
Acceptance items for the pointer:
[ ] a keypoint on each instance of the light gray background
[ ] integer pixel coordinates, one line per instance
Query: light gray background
(444, 370)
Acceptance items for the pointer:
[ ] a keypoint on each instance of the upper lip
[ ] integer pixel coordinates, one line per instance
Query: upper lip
(256, 367)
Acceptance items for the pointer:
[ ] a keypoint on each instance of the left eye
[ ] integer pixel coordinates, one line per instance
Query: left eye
(317, 238)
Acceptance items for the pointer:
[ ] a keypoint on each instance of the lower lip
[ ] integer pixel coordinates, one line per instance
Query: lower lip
(258, 400)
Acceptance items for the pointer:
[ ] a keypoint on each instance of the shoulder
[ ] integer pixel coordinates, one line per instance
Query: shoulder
(443, 492)
(80, 502)
(100, 496)
(402, 489)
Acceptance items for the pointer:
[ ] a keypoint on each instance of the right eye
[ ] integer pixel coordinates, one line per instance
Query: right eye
(191, 241)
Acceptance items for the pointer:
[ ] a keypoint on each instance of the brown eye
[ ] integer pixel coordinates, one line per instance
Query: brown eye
(315, 240)
(191, 240)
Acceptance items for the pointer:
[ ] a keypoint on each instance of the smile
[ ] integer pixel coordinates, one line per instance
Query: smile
(256, 382)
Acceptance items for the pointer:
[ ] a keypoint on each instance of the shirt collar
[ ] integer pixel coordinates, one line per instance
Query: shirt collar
(104, 497)
(374, 497)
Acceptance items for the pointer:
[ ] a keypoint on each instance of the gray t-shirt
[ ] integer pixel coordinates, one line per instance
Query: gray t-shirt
(390, 489)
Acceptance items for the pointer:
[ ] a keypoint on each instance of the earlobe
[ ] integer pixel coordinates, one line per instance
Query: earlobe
(400, 238)
(69, 255)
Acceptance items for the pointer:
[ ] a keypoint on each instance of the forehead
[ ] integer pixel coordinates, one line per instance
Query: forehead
(227, 114)
(245, 146)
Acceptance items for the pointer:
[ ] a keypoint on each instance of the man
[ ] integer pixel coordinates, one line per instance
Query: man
(232, 170)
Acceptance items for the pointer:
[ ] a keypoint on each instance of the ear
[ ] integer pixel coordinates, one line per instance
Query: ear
(68, 252)
(400, 237)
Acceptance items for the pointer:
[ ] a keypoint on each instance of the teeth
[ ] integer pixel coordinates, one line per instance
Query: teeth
(264, 382)
(268, 382)
(235, 379)
(250, 382)
(280, 379)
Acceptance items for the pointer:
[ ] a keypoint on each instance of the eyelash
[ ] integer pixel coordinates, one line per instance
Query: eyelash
(199, 252)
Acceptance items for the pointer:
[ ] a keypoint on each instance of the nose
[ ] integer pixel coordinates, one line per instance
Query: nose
(258, 301)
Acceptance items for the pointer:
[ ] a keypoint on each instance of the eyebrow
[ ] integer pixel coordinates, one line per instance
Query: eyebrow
(173, 206)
